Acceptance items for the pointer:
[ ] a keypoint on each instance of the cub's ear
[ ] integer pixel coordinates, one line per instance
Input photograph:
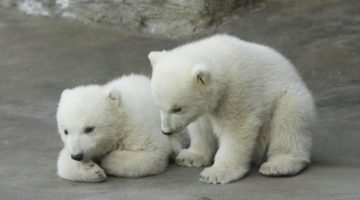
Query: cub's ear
(113, 95)
(201, 74)
(155, 56)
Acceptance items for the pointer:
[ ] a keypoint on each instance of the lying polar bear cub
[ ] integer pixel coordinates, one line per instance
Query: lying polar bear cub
(112, 129)
(255, 101)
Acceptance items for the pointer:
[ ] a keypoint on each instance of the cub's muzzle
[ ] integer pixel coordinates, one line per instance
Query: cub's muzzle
(77, 157)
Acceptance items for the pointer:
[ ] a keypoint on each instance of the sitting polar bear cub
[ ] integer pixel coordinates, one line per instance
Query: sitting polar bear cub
(255, 101)
(112, 129)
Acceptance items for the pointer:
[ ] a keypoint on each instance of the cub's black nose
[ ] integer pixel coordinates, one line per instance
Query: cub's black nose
(167, 132)
(77, 157)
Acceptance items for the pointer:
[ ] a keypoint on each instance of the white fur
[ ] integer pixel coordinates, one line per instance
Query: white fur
(253, 96)
(126, 140)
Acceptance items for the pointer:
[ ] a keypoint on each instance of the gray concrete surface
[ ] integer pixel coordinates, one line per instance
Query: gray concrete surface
(39, 57)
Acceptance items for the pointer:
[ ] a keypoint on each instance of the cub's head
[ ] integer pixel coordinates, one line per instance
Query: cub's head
(88, 120)
(182, 89)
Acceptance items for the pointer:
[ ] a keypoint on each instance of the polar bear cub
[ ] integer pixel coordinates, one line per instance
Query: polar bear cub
(112, 129)
(249, 95)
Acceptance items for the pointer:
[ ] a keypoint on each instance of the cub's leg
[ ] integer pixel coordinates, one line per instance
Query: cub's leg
(290, 135)
(233, 158)
(125, 163)
(202, 145)
(70, 169)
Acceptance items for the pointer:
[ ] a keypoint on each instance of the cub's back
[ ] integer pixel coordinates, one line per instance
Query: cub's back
(237, 59)
(136, 99)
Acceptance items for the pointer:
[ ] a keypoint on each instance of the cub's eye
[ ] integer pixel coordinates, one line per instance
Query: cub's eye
(89, 129)
(176, 109)
(66, 132)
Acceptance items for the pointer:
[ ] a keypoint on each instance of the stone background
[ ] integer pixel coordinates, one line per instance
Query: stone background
(42, 56)
(171, 18)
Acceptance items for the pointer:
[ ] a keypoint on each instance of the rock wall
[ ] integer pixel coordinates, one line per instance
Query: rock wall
(172, 18)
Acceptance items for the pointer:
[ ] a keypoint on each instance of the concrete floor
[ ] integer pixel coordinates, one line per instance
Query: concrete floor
(39, 57)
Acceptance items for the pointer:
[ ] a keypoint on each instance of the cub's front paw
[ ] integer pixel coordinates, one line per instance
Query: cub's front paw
(190, 158)
(94, 173)
(221, 175)
(82, 171)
